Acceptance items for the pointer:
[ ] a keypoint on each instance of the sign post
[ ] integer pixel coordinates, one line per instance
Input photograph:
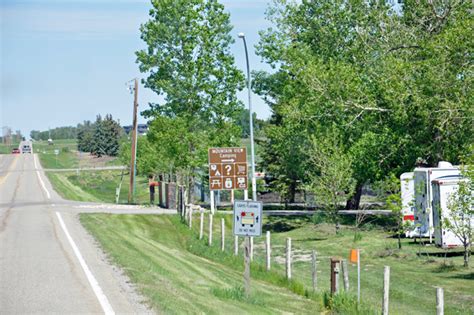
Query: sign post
(247, 223)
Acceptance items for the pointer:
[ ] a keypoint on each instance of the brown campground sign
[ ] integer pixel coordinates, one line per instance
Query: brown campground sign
(227, 168)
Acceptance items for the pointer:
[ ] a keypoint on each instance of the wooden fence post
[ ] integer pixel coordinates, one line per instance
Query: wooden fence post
(335, 270)
(345, 275)
(269, 251)
(251, 248)
(358, 275)
(386, 289)
(288, 258)
(210, 229)
(201, 225)
(190, 217)
(222, 234)
(236, 245)
(439, 301)
(314, 276)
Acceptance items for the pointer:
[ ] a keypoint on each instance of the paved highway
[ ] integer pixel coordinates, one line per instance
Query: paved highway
(48, 263)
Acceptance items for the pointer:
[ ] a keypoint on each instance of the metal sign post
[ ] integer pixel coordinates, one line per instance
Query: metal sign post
(247, 222)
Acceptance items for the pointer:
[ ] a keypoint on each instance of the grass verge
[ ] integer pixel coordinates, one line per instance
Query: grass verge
(98, 186)
(153, 250)
(158, 251)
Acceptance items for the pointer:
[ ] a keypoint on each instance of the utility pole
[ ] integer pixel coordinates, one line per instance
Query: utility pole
(133, 162)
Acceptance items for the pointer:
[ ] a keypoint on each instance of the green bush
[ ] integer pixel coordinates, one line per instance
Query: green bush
(344, 303)
(320, 217)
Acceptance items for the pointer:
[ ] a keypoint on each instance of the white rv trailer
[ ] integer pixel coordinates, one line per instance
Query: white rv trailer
(443, 188)
(407, 191)
(424, 196)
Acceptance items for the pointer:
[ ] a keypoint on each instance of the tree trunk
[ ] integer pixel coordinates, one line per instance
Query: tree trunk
(190, 188)
(354, 202)
(466, 255)
(292, 189)
(399, 240)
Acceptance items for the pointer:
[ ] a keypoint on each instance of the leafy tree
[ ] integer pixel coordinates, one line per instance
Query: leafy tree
(460, 217)
(244, 123)
(395, 87)
(330, 175)
(67, 132)
(188, 62)
(389, 188)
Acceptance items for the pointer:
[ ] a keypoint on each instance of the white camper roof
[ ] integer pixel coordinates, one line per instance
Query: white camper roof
(442, 165)
(449, 180)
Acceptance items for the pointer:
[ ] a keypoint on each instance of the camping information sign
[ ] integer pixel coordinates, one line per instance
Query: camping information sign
(247, 218)
(227, 168)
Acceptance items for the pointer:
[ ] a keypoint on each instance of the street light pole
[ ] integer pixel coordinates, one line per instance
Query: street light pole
(254, 180)
(133, 162)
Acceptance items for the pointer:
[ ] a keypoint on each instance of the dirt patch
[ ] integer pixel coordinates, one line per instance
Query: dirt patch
(89, 160)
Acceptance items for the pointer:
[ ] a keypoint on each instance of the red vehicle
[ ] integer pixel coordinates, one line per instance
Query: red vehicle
(16, 151)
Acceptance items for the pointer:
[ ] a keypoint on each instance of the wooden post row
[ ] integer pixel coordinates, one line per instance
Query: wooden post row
(345, 275)
(268, 251)
(236, 245)
(314, 275)
(210, 229)
(386, 289)
(222, 234)
(439, 301)
(201, 225)
(288, 258)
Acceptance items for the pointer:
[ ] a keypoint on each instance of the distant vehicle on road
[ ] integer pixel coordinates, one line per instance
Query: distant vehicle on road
(26, 148)
(15, 151)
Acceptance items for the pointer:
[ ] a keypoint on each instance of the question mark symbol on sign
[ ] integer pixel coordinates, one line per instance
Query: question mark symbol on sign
(228, 168)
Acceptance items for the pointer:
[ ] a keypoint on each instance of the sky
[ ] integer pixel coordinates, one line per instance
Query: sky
(63, 62)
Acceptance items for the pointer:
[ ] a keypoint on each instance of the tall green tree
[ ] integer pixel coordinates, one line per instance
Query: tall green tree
(188, 63)
(330, 174)
(396, 85)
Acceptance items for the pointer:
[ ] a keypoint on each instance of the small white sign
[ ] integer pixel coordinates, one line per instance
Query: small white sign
(247, 218)
(56, 151)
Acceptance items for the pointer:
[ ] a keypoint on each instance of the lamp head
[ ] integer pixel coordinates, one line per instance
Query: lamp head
(241, 35)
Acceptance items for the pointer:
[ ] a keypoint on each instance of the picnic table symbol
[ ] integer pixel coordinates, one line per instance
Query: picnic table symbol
(216, 183)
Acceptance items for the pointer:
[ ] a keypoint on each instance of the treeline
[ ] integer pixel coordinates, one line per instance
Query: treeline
(58, 133)
(100, 137)
(361, 91)
(364, 91)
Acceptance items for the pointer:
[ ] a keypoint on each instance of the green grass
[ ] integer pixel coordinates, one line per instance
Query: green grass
(155, 253)
(413, 277)
(67, 157)
(98, 186)
(7, 149)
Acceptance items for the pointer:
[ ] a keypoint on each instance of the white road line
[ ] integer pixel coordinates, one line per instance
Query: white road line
(104, 302)
(40, 179)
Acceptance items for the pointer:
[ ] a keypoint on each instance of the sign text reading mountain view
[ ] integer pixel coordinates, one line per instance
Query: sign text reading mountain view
(227, 168)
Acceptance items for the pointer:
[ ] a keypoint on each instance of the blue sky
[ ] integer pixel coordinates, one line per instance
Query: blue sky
(63, 62)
